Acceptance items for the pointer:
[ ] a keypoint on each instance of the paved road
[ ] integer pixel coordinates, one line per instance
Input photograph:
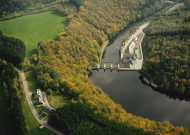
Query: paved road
(30, 103)
(133, 36)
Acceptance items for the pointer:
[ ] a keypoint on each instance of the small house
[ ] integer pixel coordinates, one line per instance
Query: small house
(38, 96)
(130, 56)
(37, 93)
(39, 101)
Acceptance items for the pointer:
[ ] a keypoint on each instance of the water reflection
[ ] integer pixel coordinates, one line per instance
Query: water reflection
(169, 94)
(127, 89)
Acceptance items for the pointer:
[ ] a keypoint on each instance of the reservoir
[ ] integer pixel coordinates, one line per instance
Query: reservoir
(126, 89)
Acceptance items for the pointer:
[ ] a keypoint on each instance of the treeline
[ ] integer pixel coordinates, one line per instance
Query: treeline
(14, 8)
(62, 65)
(168, 51)
(12, 50)
(111, 19)
(12, 90)
(79, 119)
(77, 3)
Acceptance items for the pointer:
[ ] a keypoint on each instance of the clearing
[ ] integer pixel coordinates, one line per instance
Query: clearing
(57, 101)
(32, 29)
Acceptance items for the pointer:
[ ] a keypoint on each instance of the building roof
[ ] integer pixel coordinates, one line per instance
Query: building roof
(127, 56)
(126, 61)
(39, 100)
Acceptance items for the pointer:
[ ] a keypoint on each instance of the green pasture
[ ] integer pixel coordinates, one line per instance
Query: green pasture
(32, 123)
(34, 28)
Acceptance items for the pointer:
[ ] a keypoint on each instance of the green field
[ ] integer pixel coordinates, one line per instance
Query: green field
(5, 122)
(34, 28)
(32, 123)
(57, 101)
(31, 81)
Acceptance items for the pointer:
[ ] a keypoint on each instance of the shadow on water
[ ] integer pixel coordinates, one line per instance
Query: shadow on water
(104, 53)
(127, 89)
(171, 94)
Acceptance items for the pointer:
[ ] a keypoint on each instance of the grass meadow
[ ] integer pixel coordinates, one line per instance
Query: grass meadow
(32, 123)
(32, 29)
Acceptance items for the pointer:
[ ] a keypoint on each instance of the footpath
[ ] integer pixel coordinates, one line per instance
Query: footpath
(28, 95)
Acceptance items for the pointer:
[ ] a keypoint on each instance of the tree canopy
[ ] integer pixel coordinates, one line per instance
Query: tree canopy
(12, 50)
(167, 51)
(62, 65)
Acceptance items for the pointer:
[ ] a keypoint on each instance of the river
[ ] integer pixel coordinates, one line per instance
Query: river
(126, 89)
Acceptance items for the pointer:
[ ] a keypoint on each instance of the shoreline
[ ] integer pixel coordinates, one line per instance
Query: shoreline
(138, 31)
(102, 49)
(170, 93)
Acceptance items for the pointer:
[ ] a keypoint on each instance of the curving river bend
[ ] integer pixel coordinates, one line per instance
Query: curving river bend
(126, 88)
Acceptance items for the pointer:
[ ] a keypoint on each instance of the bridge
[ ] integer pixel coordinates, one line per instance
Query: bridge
(112, 66)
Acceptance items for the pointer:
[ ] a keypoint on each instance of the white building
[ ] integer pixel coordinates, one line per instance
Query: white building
(38, 96)
(131, 47)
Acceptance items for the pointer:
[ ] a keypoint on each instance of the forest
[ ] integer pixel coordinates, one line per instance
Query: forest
(13, 92)
(167, 49)
(14, 8)
(86, 122)
(12, 50)
(62, 66)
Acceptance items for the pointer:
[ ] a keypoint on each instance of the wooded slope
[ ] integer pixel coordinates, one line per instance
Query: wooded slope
(62, 65)
(167, 48)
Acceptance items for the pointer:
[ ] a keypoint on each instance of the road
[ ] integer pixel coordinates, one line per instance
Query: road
(46, 101)
(139, 62)
(31, 105)
(178, 5)
(138, 31)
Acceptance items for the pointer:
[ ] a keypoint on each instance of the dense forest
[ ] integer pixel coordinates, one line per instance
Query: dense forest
(13, 92)
(12, 50)
(62, 67)
(85, 122)
(167, 50)
(14, 8)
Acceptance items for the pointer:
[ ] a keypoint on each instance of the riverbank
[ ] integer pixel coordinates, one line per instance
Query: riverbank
(131, 53)
(138, 31)
(126, 88)
(102, 49)
(159, 72)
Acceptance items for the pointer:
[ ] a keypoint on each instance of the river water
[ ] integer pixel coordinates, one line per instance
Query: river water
(126, 89)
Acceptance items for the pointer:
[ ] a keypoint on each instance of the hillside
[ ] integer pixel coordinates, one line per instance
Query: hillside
(62, 67)
(14, 8)
(167, 49)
